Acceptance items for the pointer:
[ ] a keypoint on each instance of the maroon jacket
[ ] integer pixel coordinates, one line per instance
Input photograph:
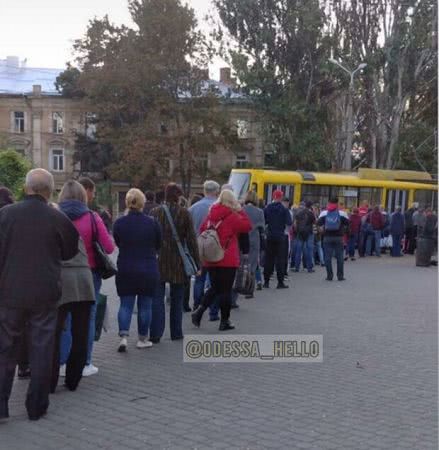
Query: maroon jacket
(354, 223)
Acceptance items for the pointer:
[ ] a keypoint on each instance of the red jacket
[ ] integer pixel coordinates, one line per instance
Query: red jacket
(233, 223)
(354, 223)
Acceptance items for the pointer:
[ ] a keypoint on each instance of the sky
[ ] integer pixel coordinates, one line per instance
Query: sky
(43, 31)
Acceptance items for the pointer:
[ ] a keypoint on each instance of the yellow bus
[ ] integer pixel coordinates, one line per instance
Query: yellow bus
(389, 188)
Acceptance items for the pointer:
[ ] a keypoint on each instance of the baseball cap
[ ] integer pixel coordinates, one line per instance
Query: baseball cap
(278, 195)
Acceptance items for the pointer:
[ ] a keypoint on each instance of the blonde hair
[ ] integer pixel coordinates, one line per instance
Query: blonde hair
(72, 190)
(135, 200)
(227, 198)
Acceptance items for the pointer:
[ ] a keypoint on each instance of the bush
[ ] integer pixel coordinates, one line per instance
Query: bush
(13, 169)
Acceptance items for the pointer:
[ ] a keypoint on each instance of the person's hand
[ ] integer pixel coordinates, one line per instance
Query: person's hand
(198, 274)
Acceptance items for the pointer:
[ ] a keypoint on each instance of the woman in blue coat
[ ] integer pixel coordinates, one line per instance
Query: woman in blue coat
(397, 231)
(139, 238)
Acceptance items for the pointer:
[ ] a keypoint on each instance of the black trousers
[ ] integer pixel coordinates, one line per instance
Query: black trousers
(41, 325)
(80, 313)
(187, 294)
(274, 256)
(410, 240)
(221, 284)
(23, 350)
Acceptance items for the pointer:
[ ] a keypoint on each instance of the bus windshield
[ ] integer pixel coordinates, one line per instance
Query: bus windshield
(240, 183)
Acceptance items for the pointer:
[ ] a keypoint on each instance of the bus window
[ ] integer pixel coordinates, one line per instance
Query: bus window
(347, 196)
(240, 183)
(316, 193)
(426, 198)
(396, 197)
(371, 195)
(287, 189)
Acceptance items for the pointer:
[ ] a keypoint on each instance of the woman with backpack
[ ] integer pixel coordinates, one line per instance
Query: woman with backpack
(229, 220)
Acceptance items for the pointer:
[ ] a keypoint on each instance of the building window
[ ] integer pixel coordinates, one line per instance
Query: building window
(242, 128)
(241, 161)
(57, 160)
(19, 122)
(90, 125)
(58, 122)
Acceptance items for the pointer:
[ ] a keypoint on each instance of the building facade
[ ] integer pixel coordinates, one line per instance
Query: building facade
(38, 122)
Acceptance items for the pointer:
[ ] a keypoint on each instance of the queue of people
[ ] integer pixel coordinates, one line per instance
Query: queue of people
(48, 296)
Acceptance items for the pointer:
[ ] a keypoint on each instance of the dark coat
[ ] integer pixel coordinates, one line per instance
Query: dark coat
(397, 224)
(34, 239)
(277, 217)
(170, 262)
(138, 238)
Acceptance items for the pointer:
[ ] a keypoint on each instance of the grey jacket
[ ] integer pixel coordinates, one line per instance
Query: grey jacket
(76, 279)
(257, 220)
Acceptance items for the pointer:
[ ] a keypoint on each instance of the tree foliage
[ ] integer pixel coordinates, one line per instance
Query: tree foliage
(280, 51)
(13, 169)
(151, 101)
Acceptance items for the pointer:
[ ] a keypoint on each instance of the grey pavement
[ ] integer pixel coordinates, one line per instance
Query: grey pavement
(384, 316)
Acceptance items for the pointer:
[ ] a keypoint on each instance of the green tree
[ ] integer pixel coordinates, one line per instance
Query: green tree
(277, 53)
(13, 169)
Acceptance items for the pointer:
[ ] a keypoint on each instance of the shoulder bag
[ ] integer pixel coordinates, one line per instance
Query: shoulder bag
(189, 264)
(104, 264)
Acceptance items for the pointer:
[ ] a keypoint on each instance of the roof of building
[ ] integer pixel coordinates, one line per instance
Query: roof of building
(19, 80)
(16, 79)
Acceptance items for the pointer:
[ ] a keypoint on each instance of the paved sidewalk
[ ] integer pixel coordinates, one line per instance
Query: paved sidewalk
(384, 316)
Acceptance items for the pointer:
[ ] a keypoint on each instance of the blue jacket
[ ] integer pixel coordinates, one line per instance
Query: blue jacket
(138, 237)
(277, 217)
(397, 223)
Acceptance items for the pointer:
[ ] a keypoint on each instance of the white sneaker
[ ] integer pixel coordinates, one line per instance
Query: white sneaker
(62, 370)
(89, 370)
(144, 344)
(123, 345)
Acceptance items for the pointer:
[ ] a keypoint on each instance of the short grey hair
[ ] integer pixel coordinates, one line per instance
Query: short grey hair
(211, 187)
(39, 181)
(73, 190)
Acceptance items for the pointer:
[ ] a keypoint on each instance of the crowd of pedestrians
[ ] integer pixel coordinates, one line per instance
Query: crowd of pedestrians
(51, 265)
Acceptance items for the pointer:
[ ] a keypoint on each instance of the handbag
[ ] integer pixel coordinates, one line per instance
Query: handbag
(189, 264)
(244, 280)
(105, 267)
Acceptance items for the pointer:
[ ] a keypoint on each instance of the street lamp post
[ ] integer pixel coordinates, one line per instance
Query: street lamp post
(347, 162)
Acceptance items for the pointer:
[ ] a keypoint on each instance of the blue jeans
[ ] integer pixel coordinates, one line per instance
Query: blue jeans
(319, 250)
(66, 336)
(304, 246)
(333, 246)
(201, 283)
(353, 241)
(144, 312)
(376, 236)
(175, 313)
(396, 244)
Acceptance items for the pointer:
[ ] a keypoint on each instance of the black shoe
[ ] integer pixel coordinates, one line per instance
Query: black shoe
(214, 319)
(23, 373)
(197, 315)
(154, 340)
(259, 287)
(352, 259)
(178, 338)
(342, 279)
(37, 416)
(282, 286)
(328, 278)
(311, 271)
(249, 296)
(187, 308)
(234, 306)
(266, 285)
(226, 325)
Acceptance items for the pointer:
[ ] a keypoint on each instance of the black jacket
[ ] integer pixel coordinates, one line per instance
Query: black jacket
(34, 239)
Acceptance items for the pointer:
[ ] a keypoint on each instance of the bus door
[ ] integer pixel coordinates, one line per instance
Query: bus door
(396, 197)
(287, 189)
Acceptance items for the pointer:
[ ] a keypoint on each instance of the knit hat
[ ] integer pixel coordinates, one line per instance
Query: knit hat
(278, 195)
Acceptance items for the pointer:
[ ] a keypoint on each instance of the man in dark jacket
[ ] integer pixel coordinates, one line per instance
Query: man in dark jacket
(34, 239)
(410, 235)
(150, 203)
(303, 224)
(376, 220)
(354, 233)
(397, 227)
(335, 224)
(277, 217)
